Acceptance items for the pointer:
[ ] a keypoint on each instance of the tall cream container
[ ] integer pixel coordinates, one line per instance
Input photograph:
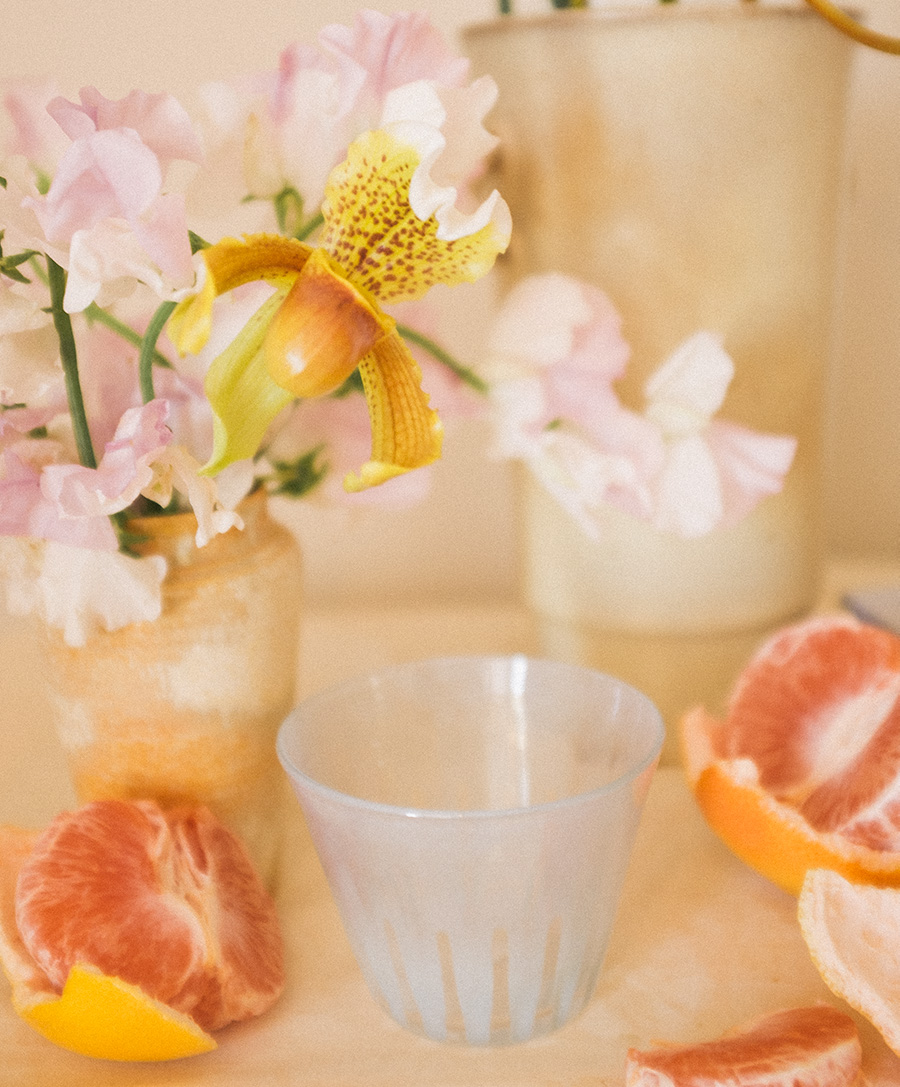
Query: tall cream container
(686, 159)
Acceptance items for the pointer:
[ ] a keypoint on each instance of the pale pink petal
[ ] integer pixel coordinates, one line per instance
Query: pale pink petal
(34, 133)
(751, 465)
(535, 326)
(123, 473)
(105, 174)
(26, 511)
(163, 232)
(583, 479)
(160, 121)
(395, 49)
(108, 259)
(174, 467)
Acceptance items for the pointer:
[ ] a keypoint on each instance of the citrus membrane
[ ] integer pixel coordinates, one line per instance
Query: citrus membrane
(853, 934)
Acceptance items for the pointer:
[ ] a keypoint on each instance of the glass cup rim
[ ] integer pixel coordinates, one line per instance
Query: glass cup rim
(404, 812)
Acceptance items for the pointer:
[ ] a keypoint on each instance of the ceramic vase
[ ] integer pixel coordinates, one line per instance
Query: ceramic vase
(186, 707)
(686, 159)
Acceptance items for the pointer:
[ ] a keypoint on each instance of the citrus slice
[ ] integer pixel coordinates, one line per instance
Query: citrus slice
(803, 770)
(800, 1047)
(100, 1016)
(123, 912)
(853, 934)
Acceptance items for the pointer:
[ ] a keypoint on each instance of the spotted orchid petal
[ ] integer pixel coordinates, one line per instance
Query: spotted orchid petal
(385, 247)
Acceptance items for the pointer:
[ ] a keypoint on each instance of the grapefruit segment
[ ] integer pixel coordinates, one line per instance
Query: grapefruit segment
(770, 836)
(853, 934)
(130, 932)
(800, 1047)
(167, 900)
(803, 770)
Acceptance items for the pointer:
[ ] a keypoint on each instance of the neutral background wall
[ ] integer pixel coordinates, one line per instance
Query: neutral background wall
(462, 541)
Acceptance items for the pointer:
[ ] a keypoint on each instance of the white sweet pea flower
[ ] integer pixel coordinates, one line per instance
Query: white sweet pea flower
(714, 472)
(78, 590)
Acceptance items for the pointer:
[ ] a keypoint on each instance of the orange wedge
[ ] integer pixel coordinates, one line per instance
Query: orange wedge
(130, 932)
(101, 1016)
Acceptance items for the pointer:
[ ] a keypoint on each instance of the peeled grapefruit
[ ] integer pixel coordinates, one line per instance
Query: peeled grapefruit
(803, 771)
(853, 935)
(800, 1047)
(163, 905)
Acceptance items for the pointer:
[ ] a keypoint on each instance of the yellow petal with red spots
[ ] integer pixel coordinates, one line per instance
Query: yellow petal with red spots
(375, 236)
(406, 432)
(324, 327)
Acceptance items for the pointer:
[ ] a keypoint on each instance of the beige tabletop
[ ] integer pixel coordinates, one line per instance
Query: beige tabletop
(700, 945)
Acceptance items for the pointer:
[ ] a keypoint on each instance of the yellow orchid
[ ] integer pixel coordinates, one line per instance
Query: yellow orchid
(390, 233)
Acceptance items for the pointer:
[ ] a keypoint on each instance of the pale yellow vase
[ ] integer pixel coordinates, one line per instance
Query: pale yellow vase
(187, 707)
(686, 159)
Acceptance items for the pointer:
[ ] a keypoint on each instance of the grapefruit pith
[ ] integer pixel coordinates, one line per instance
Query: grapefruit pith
(803, 771)
(163, 905)
(853, 934)
(801, 1047)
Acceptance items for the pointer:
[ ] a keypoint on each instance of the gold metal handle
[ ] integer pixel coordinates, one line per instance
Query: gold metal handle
(883, 42)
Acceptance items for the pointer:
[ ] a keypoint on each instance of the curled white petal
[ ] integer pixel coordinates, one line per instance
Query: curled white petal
(81, 591)
(688, 389)
(689, 494)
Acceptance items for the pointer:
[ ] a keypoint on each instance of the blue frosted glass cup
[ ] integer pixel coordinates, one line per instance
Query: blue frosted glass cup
(475, 817)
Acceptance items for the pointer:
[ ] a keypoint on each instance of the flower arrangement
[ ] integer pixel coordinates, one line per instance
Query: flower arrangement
(192, 307)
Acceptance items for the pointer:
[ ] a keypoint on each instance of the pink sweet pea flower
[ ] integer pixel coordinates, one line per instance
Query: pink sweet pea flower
(125, 471)
(393, 50)
(32, 131)
(25, 510)
(106, 198)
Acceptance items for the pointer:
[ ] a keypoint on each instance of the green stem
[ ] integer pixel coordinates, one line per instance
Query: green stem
(69, 356)
(314, 223)
(462, 372)
(506, 7)
(95, 313)
(148, 349)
